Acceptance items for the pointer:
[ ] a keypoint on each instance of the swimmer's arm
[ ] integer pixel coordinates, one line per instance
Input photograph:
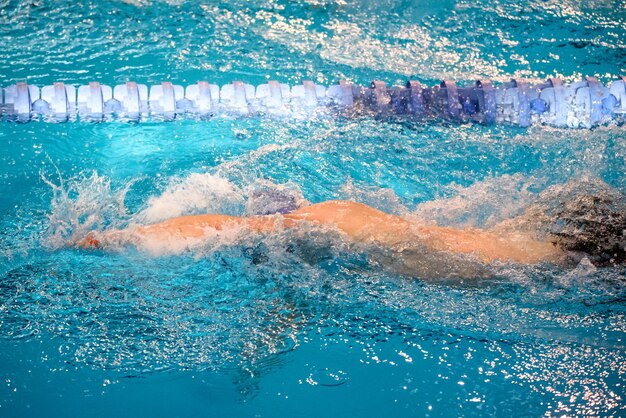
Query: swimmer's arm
(358, 221)
(193, 226)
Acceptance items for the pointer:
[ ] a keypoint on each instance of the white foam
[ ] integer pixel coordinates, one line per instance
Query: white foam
(380, 198)
(194, 194)
(482, 204)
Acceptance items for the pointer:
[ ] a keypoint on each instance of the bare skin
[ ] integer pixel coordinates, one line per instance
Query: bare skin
(361, 223)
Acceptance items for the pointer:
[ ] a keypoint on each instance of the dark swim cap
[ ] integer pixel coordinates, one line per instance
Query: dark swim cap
(587, 216)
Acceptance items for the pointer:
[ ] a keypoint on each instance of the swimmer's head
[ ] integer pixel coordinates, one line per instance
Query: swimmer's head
(587, 218)
(598, 235)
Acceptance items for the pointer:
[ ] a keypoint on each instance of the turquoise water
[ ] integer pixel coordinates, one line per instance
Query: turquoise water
(244, 327)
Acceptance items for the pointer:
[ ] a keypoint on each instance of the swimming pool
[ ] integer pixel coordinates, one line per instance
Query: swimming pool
(263, 328)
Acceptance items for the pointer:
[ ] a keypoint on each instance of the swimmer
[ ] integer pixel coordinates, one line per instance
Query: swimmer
(357, 221)
(413, 247)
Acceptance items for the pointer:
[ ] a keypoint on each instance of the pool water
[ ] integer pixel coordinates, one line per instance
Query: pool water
(298, 325)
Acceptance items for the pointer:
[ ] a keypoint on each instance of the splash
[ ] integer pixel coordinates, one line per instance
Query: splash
(380, 198)
(89, 202)
(482, 204)
(194, 194)
(82, 204)
(208, 193)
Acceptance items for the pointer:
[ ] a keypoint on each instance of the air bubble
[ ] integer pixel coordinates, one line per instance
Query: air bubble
(326, 377)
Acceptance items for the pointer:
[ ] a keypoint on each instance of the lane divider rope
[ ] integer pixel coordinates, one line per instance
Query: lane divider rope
(583, 104)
